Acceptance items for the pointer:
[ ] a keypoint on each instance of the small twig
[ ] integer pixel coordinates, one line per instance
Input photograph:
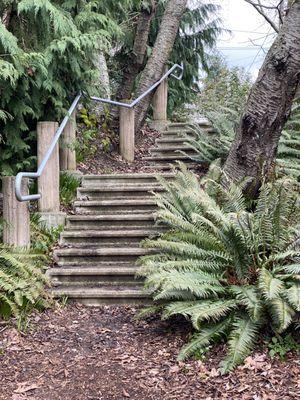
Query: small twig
(259, 9)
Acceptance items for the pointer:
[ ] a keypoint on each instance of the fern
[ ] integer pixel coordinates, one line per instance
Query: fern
(22, 281)
(229, 266)
(212, 146)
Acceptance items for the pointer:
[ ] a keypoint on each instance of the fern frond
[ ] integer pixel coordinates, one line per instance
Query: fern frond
(241, 341)
(198, 311)
(204, 338)
(270, 286)
(293, 296)
(282, 314)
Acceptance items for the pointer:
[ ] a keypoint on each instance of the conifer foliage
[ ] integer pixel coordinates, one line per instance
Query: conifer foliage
(230, 266)
(47, 53)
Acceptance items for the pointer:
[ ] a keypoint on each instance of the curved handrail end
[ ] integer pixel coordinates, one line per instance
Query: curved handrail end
(18, 187)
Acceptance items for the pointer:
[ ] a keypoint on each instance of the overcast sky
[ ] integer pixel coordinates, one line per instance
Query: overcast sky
(250, 36)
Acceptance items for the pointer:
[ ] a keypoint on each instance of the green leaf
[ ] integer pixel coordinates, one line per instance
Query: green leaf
(203, 338)
(270, 286)
(293, 295)
(241, 342)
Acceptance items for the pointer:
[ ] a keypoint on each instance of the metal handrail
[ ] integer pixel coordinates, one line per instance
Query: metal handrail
(64, 122)
(138, 99)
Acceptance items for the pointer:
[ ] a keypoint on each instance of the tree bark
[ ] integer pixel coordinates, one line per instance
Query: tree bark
(104, 83)
(137, 57)
(161, 51)
(103, 75)
(254, 149)
(5, 19)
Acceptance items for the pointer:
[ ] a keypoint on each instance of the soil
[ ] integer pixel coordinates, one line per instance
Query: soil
(78, 353)
(111, 162)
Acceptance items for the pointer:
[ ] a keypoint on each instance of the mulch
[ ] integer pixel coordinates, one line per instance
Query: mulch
(111, 162)
(91, 354)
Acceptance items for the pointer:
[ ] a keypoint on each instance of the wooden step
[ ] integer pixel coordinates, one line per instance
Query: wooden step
(107, 238)
(116, 192)
(128, 205)
(96, 296)
(110, 221)
(121, 180)
(94, 275)
(88, 256)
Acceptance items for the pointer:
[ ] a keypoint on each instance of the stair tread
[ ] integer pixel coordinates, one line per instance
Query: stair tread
(169, 148)
(102, 251)
(108, 233)
(100, 270)
(127, 188)
(170, 140)
(111, 217)
(139, 201)
(139, 175)
(121, 292)
(166, 157)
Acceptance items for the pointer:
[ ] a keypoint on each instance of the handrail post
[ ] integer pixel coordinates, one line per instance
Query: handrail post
(48, 182)
(16, 228)
(160, 106)
(67, 154)
(127, 133)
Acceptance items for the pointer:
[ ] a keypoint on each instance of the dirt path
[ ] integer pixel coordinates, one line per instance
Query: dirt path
(77, 353)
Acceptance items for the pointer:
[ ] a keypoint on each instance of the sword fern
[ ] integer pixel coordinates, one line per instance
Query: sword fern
(229, 266)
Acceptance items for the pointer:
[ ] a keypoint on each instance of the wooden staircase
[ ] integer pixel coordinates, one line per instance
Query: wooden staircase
(96, 261)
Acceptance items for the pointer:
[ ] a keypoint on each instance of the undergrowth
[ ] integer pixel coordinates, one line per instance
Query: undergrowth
(229, 265)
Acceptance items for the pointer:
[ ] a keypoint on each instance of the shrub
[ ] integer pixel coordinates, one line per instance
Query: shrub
(223, 88)
(42, 238)
(68, 186)
(230, 266)
(282, 345)
(22, 282)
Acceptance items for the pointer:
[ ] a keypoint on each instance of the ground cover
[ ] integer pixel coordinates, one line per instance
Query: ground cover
(104, 354)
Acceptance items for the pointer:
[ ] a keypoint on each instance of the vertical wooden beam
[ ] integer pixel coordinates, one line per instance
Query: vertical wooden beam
(16, 229)
(127, 134)
(160, 102)
(48, 182)
(67, 154)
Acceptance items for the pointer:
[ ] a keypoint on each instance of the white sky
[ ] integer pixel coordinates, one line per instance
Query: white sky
(249, 29)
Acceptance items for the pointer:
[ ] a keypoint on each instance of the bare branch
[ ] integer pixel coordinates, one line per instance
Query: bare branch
(6, 17)
(259, 8)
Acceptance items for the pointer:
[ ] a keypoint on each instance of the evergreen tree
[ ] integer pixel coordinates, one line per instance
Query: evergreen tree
(47, 52)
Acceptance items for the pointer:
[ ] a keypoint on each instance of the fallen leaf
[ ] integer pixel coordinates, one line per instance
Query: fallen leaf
(24, 388)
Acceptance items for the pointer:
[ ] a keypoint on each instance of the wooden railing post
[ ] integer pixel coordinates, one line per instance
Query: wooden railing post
(127, 134)
(48, 182)
(67, 154)
(160, 102)
(16, 228)
(160, 106)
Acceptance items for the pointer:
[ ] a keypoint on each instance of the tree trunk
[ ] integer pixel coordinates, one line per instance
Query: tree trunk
(136, 59)
(162, 49)
(103, 75)
(254, 149)
(5, 19)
